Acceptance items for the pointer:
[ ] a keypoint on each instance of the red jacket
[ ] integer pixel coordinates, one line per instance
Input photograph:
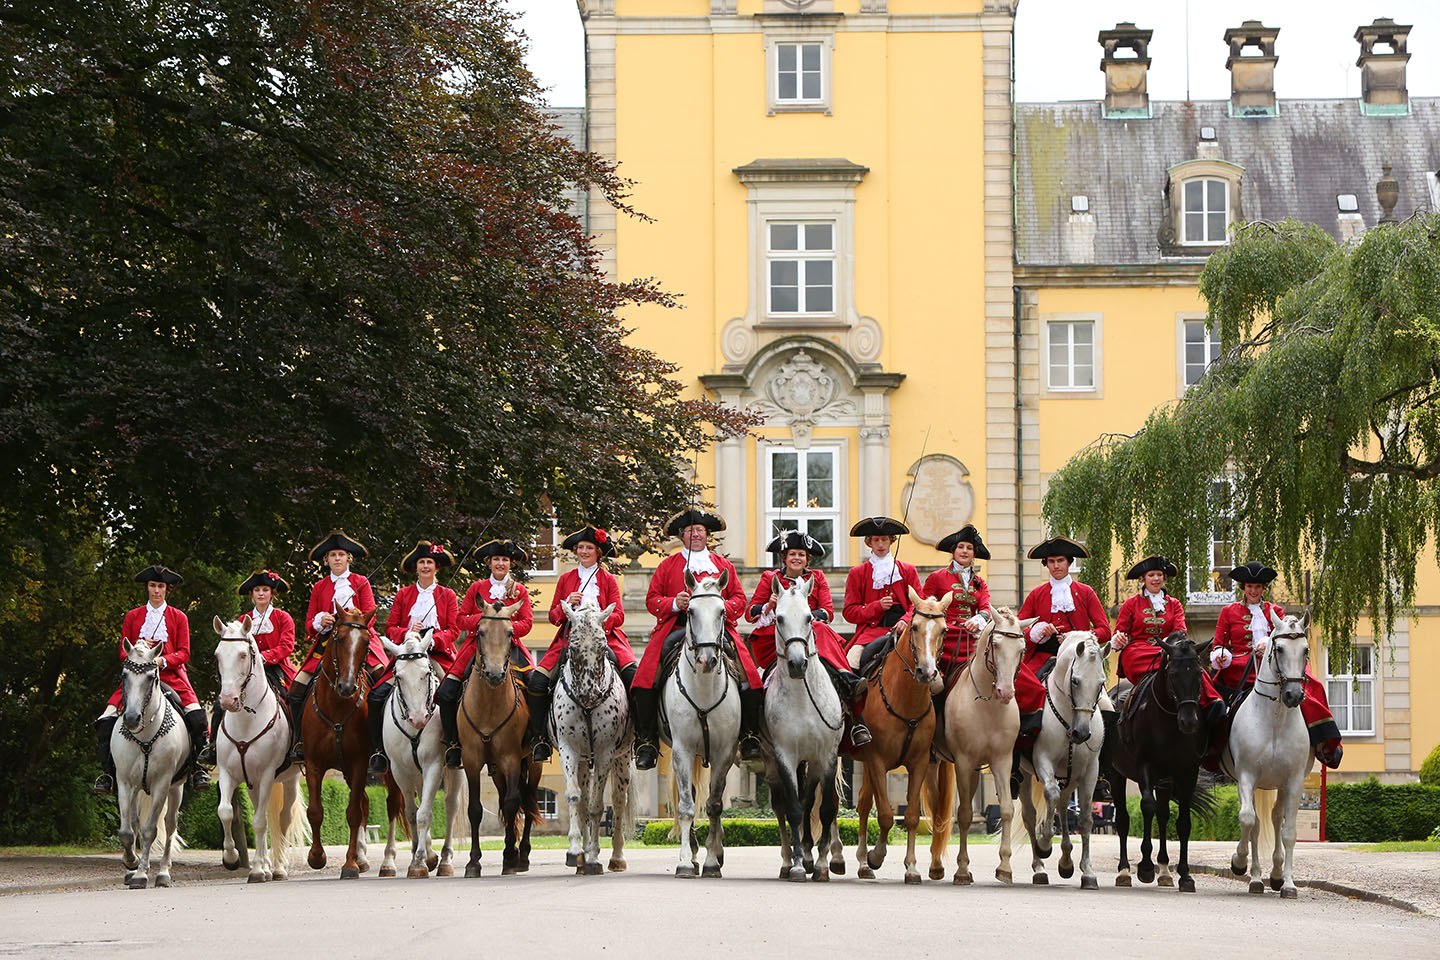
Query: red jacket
(1233, 632)
(471, 612)
(959, 645)
(445, 622)
(862, 600)
(615, 638)
(667, 584)
(278, 643)
(1145, 627)
(176, 651)
(1087, 615)
(322, 600)
(762, 639)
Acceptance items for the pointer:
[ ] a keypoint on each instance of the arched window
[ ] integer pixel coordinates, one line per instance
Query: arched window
(1207, 210)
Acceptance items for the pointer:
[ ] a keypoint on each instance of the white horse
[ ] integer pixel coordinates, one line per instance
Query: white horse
(1066, 759)
(803, 726)
(150, 746)
(1269, 749)
(701, 702)
(590, 723)
(981, 723)
(416, 748)
(251, 744)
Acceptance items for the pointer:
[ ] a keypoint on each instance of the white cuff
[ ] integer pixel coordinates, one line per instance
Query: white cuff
(675, 605)
(1220, 658)
(316, 622)
(1035, 637)
(976, 622)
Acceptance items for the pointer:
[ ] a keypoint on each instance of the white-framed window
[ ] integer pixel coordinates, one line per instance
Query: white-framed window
(1351, 689)
(548, 803)
(1200, 348)
(545, 556)
(1071, 353)
(1207, 582)
(800, 267)
(802, 492)
(800, 73)
(1206, 210)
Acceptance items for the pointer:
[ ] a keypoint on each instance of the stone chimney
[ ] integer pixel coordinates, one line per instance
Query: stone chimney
(1126, 96)
(1382, 75)
(1252, 76)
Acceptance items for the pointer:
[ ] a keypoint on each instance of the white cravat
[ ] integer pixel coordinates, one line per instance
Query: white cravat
(590, 583)
(882, 571)
(499, 589)
(1259, 623)
(1061, 600)
(701, 561)
(260, 622)
(154, 632)
(1157, 601)
(966, 573)
(344, 592)
(424, 607)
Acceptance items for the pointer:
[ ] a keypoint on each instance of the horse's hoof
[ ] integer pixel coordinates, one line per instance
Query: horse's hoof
(685, 871)
(1066, 870)
(387, 872)
(256, 877)
(1277, 883)
(797, 875)
(937, 873)
(1187, 884)
(1003, 875)
(414, 873)
(822, 875)
(963, 879)
(364, 866)
(865, 873)
(1122, 880)
(432, 861)
(508, 871)
(1239, 869)
(784, 873)
(875, 862)
(1044, 852)
(1089, 883)
(472, 871)
(572, 859)
(616, 865)
(230, 861)
(279, 875)
(912, 878)
(709, 871)
(1289, 893)
(1165, 880)
(316, 860)
(349, 873)
(445, 870)
(162, 879)
(1146, 873)
(594, 870)
(136, 882)
(837, 867)
(523, 866)
(1040, 880)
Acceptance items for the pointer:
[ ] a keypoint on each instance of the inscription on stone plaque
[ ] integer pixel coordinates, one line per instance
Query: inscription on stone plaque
(938, 497)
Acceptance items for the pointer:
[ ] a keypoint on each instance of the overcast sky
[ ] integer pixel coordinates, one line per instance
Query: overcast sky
(1058, 57)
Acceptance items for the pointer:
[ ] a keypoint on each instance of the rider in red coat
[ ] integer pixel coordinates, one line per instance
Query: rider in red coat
(795, 551)
(667, 600)
(422, 605)
(587, 581)
(274, 632)
(341, 588)
(1062, 604)
(158, 624)
(966, 616)
(1240, 624)
(877, 591)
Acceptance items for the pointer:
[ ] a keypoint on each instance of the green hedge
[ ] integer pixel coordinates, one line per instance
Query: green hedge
(335, 797)
(1372, 812)
(757, 832)
(1224, 824)
(1430, 769)
(199, 824)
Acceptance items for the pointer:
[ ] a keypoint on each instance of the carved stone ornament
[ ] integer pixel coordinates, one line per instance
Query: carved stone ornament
(802, 386)
(938, 498)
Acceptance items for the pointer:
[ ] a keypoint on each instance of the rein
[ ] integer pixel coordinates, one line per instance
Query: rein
(1272, 659)
(362, 687)
(914, 671)
(805, 678)
(989, 661)
(588, 709)
(243, 746)
(1064, 723)
(167, 722)
(702, 713)
(399, 694)
(477, 667)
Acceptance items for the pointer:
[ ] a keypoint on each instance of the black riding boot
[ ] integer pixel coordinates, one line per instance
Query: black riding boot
(938, 702)
(207, 753)
(851, 688)
(196, 723)
(537, 698)
(627, 676)
(379, 763)
(644, 711)
(105, 783)
(448, 697)
(1110, 718)
(295, 696)
(752, 707)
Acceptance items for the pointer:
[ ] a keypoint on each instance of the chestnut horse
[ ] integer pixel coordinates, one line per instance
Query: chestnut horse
(901, 719)
(496, 715)
(336, 736)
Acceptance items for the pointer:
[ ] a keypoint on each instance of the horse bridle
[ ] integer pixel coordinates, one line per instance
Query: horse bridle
(913, 668)
(1166, 659)
(1275, 664)
(243, 746)
(702, 713)
(477, 666)
(333, 677)
(690, 642)
(167, 723)
(250, 671)
(989, 659)
(807, 638)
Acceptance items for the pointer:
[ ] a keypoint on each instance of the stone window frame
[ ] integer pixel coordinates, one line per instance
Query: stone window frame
(1173, 241)
(800, 256)
(1376, 694)
(839, 447)
(816, 28)
(1182, 386)
(1097, 388)
(821, 99)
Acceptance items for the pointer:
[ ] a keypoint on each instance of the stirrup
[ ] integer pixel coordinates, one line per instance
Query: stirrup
(379, 763)
(104, 786)
(452, 756)
(540, 752)
(207, 755)
(750, 747)
(199, 778)
(646, 756)
(297, 752)
(860, 734)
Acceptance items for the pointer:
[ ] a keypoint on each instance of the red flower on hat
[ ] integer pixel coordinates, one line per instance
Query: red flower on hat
(601, 536)
(437, 547)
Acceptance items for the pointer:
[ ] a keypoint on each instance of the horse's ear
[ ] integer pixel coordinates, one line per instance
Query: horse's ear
(370, 617)
(724, 579)
(127, 646)
(605, 614)
(245, 623)
(1275, 618)
(391, 648)
(914, 595)
(1304, 619)
(805, 585)
(514, 608)
(1165, 644)
(427, 639)
(689, 580)
(1105, 650)
(1025, 624)
(1204, 649)
(945, 601)
(219, 626)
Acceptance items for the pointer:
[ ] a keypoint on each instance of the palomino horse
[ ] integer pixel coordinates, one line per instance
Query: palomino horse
(1269, 749)
(150, 747)
(496, 715)
(336, 736)
(590, 719)
(1159, 743)
(981, 723)
(701, 704)
(1065, 761)
(416, 749)
(251, 746)
(803, 724)
(902, 724)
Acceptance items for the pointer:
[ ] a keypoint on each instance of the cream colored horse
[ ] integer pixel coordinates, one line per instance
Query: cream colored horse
(981, 722)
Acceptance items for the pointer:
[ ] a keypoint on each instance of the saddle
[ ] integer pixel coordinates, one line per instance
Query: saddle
(1046, 668)
(1127, 700)
(673, 650)
(872, 665)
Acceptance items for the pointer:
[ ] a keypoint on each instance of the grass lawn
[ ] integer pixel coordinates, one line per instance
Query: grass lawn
(60, 850)
(1399, 846)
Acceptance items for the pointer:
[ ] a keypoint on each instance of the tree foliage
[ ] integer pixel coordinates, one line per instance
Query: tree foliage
(269, 267)
(1322, 412)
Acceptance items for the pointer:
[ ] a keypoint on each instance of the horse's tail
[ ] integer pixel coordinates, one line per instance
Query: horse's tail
(281, 841)
(457, 788)
(700, 787)
(529, 803)
(1264, 812)
(1203, 801)
(621, 788)
(939, 804)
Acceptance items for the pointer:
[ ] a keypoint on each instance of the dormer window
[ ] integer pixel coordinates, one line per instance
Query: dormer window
(1207, 210)
(1202, 200)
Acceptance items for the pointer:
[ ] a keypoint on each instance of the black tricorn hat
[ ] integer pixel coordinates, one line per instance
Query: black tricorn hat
(1152, 562)
(596, 535)
(427, 550)
(337, 540)
(691, 516)
(158, 573)
(879, 527)
(1057, 547)
(966, 534)
(795, 540)
(264, 578)
(1253, 572)
(502, 548)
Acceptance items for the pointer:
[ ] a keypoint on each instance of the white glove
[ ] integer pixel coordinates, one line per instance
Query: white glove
(976, 623)
(1220, 658)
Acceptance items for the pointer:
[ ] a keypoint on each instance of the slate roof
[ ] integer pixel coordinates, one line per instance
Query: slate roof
(1295, 164)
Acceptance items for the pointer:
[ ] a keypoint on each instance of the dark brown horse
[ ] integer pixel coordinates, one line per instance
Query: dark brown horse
(494, 715)
(337, 737)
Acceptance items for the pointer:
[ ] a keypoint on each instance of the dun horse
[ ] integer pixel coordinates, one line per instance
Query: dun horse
(495, 716)
(901, 719)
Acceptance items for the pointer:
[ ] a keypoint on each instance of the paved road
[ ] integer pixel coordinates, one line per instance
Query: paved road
(550, 912)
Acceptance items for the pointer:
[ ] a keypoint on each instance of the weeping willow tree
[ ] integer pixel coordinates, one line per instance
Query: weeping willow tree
(1323, 415)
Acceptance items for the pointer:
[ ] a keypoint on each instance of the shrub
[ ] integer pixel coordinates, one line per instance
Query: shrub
(1223, 824)
(1372, 812)
(756, 832)
(199, 824)
(1430, 769)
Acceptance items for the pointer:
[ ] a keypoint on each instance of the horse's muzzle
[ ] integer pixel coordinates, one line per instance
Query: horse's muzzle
(494, 679)
(229, 702)
(1189, 719)
(418, 720)
(1004, 694)
(131, 720)
(345, 688)
(1293, 695)
(795, 663)
(1080, 733)
(705, 661)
